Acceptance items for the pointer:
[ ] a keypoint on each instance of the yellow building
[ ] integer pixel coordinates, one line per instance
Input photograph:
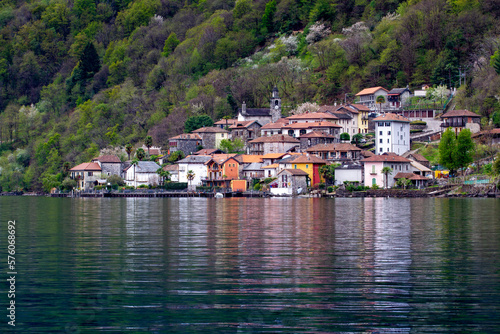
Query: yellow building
(308, 163)
(362, 116)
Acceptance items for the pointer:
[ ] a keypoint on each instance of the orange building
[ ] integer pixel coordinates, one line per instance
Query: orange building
(221, 170)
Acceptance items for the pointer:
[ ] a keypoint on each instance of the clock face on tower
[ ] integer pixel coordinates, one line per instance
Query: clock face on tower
(276, 107)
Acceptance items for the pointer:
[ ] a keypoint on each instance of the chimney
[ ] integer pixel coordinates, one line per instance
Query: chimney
(244, 108)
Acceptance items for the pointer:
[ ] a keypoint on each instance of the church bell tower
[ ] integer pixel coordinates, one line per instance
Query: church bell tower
(275, 105)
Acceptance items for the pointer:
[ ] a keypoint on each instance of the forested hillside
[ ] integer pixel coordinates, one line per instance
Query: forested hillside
(78, 76)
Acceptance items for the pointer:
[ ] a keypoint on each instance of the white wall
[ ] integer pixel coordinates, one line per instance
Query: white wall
(199, 170)
(393, 138)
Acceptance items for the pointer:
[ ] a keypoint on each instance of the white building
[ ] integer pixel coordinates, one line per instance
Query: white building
(392, 134)
(143, 173)
(195, 163)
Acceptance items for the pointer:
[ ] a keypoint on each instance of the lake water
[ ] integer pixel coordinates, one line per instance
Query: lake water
(253, 265)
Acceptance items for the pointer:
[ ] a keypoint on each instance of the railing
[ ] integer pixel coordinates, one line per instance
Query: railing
(460, 123)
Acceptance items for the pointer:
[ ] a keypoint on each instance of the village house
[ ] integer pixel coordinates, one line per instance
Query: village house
(225, 123)
(86, 175)
(174, 172)
(110, 165)
(315, 138)
(245, 130)
(419, 169)
(153, 150)
(336, 152)
(348, 172)
(461, 119)
(418, 158)
(208, 151)
(312, 117)
(142, 173)
(273, 144)
(368, 98)
(273, 128)
(289, 182)
(250, 166)
(373, 169)
(392, 134)
(306, 162)
(211, 136)
(397, 98)
(196, 164)
(188, 143)
(348, 119)
(298, 129)
(417, 181)
(262, 115)
(221, 170)
(488, 137)
(363, 112)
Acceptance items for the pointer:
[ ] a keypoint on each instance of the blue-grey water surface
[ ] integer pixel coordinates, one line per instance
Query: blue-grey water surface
(253, 265)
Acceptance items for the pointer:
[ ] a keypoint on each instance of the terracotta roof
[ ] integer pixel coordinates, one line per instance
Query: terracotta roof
(346, 108)
(317, 134)
(385, 158)
(367, 154)
(360, 107)
(210, 129)
(208, 151)
(460, 113)
(277, 125)
(487, 132)
(273, 155)
(270, 166)
(410, 176)
(418, 157)
(369, 91)
(87, 166)
(309, 125)
(313, 115)
(275, 139)
(333, 147)
(243, 124)
(297, 172)
(171, 168)
(229, 121)
(307, 158)
(392, 117)
(107, 159)
(221, 158)
(192, 136)
(249, 158)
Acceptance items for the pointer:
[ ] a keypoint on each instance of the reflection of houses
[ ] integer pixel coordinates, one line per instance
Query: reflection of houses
(392, 134)
(289, 182)
(273, 144)
(337, 152)
(142, 173)
(461, 119)
(368, 97)
(212, 136)
(188, 143)
(110, 165)
(86, 174)
(373, 169)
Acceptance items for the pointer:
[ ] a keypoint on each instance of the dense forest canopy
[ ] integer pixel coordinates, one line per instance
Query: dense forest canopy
(78, 76)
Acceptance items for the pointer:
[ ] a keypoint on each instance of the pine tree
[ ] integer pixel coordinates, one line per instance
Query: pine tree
(89, 62)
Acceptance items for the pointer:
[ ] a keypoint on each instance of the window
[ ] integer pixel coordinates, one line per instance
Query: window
(222, 135)
(406, 167)
(388, 141)
(380, 140)
(381, 133)
(389, 133)
(373, 169)
(380, 123)
(380, 150)
(90, 174)
(307, 166)
(295, 166)
(387, 124)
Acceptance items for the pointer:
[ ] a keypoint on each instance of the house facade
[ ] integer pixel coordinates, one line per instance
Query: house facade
(246, 131)
(363, 112)
(336, 152)
(196, 164)
(368, 98)
(373, 169)
(273, 144)
(315, 138)
(397, 98)
(110, 165)
(212, 136)
(289, 182)
(306, 162)
(262, 115)
(221, 169)
(86, 175)
(142, 173)
(188, 143)
(392, 134)
(461, 119)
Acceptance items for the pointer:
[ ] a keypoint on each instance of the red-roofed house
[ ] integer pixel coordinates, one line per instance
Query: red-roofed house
(110, 165)
(373, 169)
(368, 97)
(86, 174)
(461, 119)
(273, 144)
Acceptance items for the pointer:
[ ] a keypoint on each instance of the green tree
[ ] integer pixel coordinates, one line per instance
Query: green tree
(268, 17)
(196, 122)
(140, 154)
(164, 175)
(190, 176)
(89, 63)
(496, 165)
(170, 44)
(386, 171)
(328, 172)
(128, 149)
(380, 100)
(232, 146)
(464, 152)
(356, 139)
(344, 136)
(148, 141)
(447, 148)
(403, 182)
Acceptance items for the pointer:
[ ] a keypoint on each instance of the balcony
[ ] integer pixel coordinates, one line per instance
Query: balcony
(455, 123)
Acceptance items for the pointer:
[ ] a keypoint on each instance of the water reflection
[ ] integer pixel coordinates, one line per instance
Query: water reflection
(258, 265)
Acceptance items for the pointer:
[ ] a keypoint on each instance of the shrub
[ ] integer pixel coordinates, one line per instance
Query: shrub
(257, 187)
(175, 185)
(330, 189)
(142, 186)
(418, 123)
(375, 187)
